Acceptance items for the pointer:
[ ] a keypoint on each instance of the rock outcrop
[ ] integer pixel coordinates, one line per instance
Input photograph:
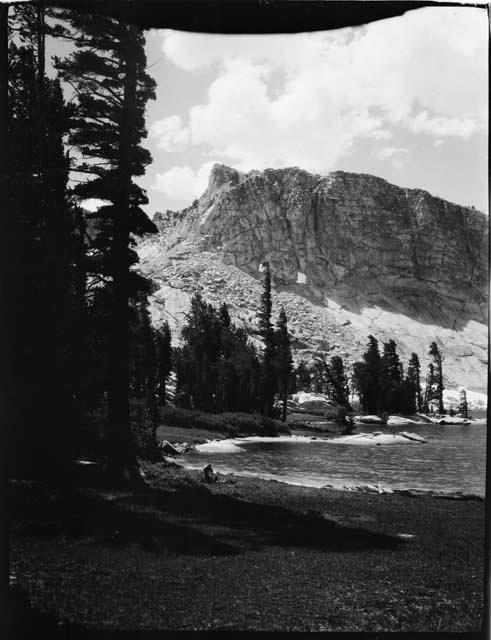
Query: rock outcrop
(350, 254)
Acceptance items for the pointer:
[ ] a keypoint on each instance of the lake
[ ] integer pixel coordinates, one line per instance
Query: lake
(453, 459)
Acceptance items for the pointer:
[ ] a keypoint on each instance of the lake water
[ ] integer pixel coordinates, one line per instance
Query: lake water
(453, 459)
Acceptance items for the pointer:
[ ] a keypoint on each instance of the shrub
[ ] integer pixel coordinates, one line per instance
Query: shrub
(143, 428)
(233, 424)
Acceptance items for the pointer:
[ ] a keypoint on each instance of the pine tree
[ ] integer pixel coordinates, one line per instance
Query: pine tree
(196, 360)
(368, 378)
(303, 377)
(413, 376)
(217, 369)
(45, 240)
(463, 408)
(338, 382)
(107, 73)
(283, 360)
(429, 387)
(392, 379)
(438, 362)
(320, 378)
(267, 333)
(163, 341)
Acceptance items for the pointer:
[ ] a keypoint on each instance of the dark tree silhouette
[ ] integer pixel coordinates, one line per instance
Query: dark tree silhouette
(414, 378)
(267, 333)
(217, 369)
(303, 376)
(45, 253)
(368, 378)
(429, 387)
(107, 74)
(393, 390)
(284, 362)
(164, 360)
(338, 382)
(438, 373)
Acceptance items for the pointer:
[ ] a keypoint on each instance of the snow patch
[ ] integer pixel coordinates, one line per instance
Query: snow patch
(301, 278)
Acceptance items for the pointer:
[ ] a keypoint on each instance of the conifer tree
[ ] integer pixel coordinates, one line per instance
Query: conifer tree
(45, 239)
(196, 360)
(303, 377)
(463, 407)
(107, 74)
(163, 345)
(267, 333)
(429, 387)
(368, 378)
(338, 382)
(217, 369)
(320, 378)
(413, 376)
(392, 378)
(438, 373)
(284, 362)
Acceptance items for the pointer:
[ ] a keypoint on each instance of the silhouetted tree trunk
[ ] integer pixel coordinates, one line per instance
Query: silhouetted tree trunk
(6, 290)
(122, 455)
(267, 332)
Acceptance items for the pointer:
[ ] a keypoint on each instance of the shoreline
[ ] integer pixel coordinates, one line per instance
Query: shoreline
(358, 488)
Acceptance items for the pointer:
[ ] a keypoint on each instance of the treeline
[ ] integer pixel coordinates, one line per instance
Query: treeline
(378, 379)
(219, 369)
(82, 352)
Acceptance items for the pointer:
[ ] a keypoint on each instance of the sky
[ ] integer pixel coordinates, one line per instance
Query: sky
(405, 99)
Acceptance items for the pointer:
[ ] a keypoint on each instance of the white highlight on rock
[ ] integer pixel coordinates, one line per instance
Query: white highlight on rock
(378, 438)
(301, 278)
(218, 446)
(231, 445)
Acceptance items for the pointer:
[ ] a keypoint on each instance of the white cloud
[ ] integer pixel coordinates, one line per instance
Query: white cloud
(442, 126)
(393, 154)
(389, 152)
(171, 135)
(183, 183)
(304, 99)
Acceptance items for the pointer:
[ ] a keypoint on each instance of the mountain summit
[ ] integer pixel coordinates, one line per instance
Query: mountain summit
(350, 254)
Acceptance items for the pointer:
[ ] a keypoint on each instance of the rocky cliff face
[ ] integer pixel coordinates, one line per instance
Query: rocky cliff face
(350, 255)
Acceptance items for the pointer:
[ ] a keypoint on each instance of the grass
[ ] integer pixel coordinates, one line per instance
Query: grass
(185, 434)
(230, 424)
(247, 554)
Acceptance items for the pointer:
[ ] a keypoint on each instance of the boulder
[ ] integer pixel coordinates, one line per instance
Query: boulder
(412, 436)
(167, 448)
(453, 420)
(371, 420)
(184, 447)
(313, 403)
(397, 421)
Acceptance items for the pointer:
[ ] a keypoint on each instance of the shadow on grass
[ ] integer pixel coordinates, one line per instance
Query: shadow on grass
(191, 520)
(248, 524)
(21, 620)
